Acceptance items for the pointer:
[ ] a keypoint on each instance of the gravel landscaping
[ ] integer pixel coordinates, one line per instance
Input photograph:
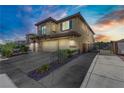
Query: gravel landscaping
(46, 69)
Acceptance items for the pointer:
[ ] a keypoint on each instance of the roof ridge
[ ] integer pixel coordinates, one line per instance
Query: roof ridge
(53, 19)
(65, 18)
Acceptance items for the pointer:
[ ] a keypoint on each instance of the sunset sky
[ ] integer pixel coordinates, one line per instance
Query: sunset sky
(106, 21)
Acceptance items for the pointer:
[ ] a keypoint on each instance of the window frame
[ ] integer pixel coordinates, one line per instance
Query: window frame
(43, 30)
(69, 25)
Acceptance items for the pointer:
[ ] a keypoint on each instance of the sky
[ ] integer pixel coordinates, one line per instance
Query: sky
(107, 21)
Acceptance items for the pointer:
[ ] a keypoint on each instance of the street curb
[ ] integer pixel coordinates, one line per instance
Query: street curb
(88, 75)
(3, 59)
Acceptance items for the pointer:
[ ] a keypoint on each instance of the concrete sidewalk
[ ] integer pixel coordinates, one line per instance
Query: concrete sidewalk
(6, 82)
(105, 72)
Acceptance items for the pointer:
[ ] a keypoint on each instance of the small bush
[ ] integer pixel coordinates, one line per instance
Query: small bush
(6, 52)
(7, 49)
(43, 68)
(65, 53)
(23, 48)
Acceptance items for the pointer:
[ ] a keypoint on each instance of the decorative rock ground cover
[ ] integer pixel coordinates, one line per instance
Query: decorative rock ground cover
(39, 73)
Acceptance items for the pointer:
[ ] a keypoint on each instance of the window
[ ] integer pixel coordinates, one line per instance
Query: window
(72, 44)
(53, 28)
(66, 25)
(43, 30)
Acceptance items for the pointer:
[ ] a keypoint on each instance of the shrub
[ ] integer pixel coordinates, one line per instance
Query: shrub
(62, 54)
(65, 53)
(6, 50)
(23, 48)
(43, 68)
(9, 49)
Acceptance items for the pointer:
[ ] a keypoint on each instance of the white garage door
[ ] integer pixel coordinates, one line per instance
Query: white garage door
(33, 47)
(64, 44)
(50, 46)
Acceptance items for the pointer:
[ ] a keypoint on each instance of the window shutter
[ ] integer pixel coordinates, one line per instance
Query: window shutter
(70, 24)
(40, 28)
(60, 26)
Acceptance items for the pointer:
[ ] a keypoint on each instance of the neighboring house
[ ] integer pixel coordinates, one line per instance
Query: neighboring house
(71, 32)
(21, 42)
(118, 47)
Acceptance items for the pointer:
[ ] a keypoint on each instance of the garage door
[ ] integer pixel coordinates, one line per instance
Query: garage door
(33, 47)
(50, 46)
(64, 44)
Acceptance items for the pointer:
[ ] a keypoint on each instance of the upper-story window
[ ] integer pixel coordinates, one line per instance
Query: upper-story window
(43, 30)
(53, 28)
(66, 25)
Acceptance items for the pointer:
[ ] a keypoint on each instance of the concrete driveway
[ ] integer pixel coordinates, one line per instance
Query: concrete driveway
(17, 68)
(69, 75)
(107, 72)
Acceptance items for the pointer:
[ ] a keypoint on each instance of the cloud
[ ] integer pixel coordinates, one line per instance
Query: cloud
(59, 14)
(110, 20)
(27, 19)
(110, 26)
(113, 34)
(1, 41)
(27, 8)
(79, 6)
(103, 38)
(55, 12)
(19, 37)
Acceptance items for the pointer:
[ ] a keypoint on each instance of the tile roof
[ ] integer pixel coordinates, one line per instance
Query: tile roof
(64, 19)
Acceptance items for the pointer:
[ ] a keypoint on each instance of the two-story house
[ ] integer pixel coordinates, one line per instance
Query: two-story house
(71, 32)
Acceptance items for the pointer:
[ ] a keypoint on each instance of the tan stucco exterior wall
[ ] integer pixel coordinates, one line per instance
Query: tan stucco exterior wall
(86, 39)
